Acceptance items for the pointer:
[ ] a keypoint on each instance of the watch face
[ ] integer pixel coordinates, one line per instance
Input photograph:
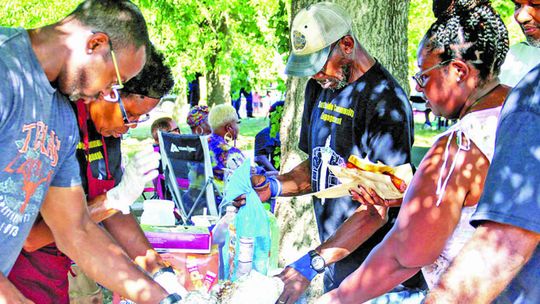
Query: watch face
(317, 262)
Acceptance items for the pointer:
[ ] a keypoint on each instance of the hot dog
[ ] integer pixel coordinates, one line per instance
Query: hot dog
(365, 165)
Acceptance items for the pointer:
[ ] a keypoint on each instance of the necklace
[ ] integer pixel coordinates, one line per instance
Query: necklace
(481, 94)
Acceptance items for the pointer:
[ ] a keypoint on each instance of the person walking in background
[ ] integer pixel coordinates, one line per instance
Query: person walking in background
(237, 103)
(194, 91)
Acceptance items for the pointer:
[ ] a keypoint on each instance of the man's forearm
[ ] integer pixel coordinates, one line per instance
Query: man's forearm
(297, 181)
(89, 246)
(359, 227)
(41, 234)
(127, 232)
(486, 265)
(98, 209)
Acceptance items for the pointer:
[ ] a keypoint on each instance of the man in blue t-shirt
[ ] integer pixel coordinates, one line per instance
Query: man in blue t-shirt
(524, 56)
(38, 169)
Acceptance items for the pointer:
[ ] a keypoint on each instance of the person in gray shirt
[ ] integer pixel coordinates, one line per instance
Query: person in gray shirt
(38, 168)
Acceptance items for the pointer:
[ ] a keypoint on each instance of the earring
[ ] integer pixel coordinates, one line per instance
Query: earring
(458, 79)
(228, 137)
(89, 51)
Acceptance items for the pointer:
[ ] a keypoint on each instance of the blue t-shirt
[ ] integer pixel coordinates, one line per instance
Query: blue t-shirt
(38, 139)
(512, 190)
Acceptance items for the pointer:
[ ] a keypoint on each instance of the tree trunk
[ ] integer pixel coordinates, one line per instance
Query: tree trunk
(218, 85)
(217, 88)
(381, 27)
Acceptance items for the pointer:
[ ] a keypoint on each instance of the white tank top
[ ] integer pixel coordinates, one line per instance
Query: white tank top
(478, 127)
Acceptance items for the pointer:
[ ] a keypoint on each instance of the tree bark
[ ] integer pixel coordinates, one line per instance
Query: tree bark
(218, 87)
(381, 27)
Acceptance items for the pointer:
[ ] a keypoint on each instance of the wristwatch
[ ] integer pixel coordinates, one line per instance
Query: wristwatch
(317, 262)
(173, 298)
(163, 270)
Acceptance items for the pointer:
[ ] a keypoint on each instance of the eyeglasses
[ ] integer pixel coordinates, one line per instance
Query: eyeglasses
(114, 96)
(125, 117)
(420, 76)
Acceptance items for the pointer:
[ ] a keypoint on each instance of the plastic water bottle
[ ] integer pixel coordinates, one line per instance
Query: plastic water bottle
(219, 237)
(228, 253)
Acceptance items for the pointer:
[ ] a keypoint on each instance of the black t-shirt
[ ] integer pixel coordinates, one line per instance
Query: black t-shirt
(370, 118)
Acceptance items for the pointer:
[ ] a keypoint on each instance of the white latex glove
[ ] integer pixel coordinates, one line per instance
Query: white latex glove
(140, 169)
(167, 279)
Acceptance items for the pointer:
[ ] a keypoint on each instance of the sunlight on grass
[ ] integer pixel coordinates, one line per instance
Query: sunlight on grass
(249, 127)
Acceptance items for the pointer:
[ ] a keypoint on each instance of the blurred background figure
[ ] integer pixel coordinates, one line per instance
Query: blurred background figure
(249, 102)
(163, 124)
(267, 142)
(194, 91)
(197, 120)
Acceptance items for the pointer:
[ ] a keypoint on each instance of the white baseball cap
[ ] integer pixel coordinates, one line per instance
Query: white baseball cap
(313, 31)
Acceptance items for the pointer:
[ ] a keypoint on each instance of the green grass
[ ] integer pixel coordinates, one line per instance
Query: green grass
(423, 138)
(249, 127)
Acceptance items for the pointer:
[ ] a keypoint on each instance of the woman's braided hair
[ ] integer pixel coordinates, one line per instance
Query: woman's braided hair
(470, 30)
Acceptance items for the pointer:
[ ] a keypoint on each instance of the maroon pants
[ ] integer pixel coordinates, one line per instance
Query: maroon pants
(41, 276)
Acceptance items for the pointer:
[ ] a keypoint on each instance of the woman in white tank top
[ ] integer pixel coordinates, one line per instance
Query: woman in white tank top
(459, 60)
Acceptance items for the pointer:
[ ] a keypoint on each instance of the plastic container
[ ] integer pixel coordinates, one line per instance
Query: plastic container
(251, 225)
(204, 220)
(219, 237)
(253, 245)
(246, 255)
(158, 213)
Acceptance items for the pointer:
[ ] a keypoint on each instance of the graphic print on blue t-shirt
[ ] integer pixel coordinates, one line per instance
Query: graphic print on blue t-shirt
(37, 143)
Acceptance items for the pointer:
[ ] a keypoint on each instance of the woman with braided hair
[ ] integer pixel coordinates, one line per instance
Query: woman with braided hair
(459, 60)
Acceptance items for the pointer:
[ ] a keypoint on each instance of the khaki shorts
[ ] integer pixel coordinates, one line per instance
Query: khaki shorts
(82, 289)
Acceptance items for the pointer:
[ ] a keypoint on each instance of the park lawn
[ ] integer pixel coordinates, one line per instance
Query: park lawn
(249, 127)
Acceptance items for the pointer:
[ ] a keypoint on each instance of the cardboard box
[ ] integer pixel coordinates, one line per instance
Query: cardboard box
(190, 239)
